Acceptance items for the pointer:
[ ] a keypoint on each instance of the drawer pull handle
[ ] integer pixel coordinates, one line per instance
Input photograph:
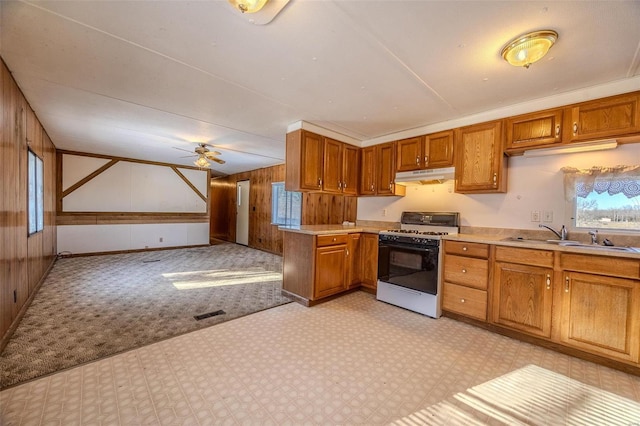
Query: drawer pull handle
(347, 252)
(319, 182)
(418, 160)
(575, 128)
(462, 300)
(334, 239)
(548, 282)
(557, 130)
(464, 271)
(464, 248)
(426, 159)
(566, 284)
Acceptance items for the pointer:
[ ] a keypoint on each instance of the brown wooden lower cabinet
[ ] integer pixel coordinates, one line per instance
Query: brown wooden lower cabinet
(369, 260)
(522, 298)
(589, 303)
(319, 266)
(466, 301)
(599, 314)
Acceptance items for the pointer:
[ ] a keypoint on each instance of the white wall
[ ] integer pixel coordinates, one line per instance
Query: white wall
(130, 187)
(104, 238)
(533, 184)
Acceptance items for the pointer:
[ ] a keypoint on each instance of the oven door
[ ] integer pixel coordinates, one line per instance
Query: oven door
(409, 266)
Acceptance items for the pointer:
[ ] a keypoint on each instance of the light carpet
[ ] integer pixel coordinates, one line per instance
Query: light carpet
(92, 307)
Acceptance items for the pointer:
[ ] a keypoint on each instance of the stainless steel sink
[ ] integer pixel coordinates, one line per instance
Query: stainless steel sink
(599, 247)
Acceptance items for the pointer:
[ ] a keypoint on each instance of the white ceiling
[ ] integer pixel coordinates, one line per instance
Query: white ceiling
(140, 78)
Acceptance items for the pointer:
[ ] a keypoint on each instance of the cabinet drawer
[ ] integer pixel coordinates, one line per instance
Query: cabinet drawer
(525, 256)
(467, 249)
(603, 265)
(330, 240)
(466, 270)
(465, 301)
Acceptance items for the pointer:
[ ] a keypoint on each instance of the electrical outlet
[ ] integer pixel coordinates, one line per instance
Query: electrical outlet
(161, 239)
(384, 212)
(535, 216)
(547, 216)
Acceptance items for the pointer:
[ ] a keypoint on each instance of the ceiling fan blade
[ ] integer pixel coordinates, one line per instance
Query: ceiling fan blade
(211, 154)
(217, 160)
(188, 156)
(185, 150)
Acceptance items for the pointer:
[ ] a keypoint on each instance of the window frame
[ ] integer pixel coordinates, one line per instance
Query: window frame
(292, 217)
(35, 193)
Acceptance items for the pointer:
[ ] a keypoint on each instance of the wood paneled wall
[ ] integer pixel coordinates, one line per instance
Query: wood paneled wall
(317, 209)
(24, 260)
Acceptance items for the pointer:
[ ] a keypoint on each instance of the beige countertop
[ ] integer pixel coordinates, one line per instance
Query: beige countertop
(329, 229)
(472, 238)
(540, 245)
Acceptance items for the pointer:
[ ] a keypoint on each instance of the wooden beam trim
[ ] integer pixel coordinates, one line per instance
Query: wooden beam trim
(132, 160)
(87, 178)
(188, 182)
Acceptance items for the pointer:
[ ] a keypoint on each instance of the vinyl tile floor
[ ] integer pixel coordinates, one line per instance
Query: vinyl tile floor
(352, 360)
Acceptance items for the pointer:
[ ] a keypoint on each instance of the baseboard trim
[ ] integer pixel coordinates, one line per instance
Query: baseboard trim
(101, 253)
(16, 321)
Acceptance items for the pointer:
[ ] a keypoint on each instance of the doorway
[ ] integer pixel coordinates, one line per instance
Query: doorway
(242, 212)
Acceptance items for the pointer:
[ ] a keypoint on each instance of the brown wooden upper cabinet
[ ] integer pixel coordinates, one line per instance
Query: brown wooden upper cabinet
(602, 118)
(480, 163)
(425, 152)
(341, 167)
(378, 171)
(542, 128)
(304, 161)
(386, 170)
(321, 164)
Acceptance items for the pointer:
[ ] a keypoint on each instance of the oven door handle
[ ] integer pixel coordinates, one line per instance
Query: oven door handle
(409, 247)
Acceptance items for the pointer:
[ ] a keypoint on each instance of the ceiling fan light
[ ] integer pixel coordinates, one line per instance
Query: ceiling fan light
(248, 6)
(529, 48)
(202, 162)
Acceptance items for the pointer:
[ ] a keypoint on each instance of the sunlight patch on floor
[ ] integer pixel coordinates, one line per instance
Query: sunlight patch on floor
(530, 395)
(220, 278)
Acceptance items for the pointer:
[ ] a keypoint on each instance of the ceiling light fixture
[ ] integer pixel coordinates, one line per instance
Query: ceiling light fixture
(529, 48)
(202, 162)
(248, 6)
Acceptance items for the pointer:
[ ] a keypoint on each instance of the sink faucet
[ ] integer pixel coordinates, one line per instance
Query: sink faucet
(562, 235)
(594, 236)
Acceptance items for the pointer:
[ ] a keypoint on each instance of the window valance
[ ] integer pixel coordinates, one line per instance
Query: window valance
(613, 180)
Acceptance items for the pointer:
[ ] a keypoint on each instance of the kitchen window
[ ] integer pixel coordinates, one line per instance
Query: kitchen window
(286, 206)
(605, 197)
(35, 170)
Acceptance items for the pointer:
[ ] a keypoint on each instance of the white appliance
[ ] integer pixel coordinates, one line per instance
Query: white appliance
(410, 259)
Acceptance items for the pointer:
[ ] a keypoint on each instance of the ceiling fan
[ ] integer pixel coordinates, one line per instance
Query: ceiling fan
(204, 155)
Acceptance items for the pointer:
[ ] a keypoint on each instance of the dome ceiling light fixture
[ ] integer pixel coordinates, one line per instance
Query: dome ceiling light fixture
(248, 6)
(528, 48)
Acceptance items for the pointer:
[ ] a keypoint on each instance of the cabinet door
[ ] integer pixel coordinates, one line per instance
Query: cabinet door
(479, 159)
(530, 130)
(438, 150)
(354, 254)
(311, 161)
(331, 270)
(368, 171)
(599, 314)
(614, 116)
(385, 154)
(409, 154)
(350, 169)
(369, 251)
(332, 173)
(522, 298)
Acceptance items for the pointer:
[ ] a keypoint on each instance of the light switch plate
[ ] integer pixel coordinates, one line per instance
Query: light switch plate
(535, 216)
(547, 216)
